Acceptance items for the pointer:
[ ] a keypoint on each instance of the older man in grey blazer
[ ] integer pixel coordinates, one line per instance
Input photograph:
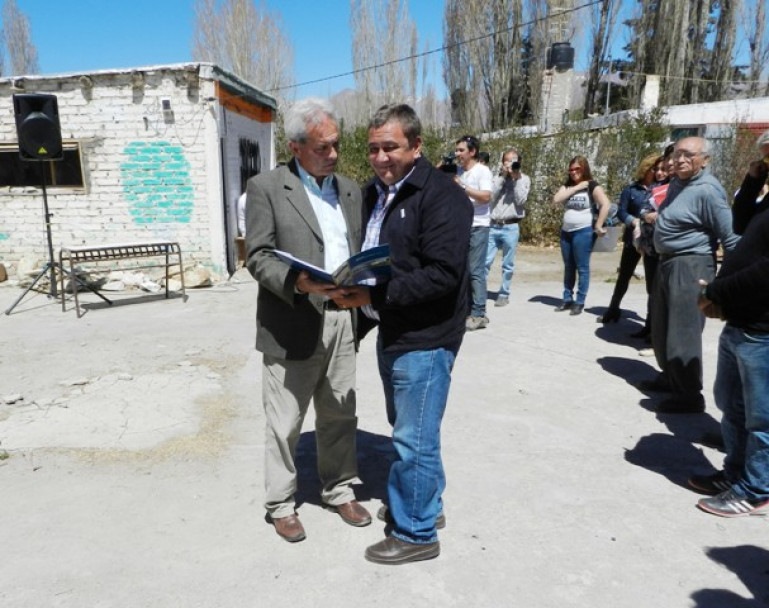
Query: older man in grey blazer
(308, 342)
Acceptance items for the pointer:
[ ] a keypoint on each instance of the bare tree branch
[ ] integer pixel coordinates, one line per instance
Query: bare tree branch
(18, 37)
(2, 52)
(247, 39)
(604, 18)
(383, 33)
(493, 60)
(754, 26)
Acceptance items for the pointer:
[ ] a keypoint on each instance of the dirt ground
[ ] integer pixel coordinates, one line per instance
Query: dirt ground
(131, 475)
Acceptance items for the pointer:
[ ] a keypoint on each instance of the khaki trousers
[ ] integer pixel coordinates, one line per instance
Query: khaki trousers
(328, 378)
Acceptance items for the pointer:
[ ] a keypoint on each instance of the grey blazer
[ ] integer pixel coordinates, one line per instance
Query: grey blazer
(279, 216)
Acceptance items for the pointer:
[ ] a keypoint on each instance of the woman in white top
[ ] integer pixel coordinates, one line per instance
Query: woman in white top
(582, 198)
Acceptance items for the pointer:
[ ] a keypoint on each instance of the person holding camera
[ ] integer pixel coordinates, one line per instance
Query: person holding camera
(511, 189)
(476, 180)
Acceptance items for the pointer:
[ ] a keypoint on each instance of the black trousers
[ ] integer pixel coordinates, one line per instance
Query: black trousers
(678, 322)
(627, 265)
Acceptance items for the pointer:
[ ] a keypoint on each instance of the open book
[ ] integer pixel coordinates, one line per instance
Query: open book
(373, 263)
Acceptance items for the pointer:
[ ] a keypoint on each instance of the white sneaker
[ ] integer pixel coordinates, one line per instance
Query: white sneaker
(474, 323)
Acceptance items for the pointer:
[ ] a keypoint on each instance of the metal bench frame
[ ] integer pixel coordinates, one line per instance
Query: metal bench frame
(110, 253)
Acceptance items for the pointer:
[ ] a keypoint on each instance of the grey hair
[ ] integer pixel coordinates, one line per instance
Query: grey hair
(707, 147)
(306, 113)
(763, 139)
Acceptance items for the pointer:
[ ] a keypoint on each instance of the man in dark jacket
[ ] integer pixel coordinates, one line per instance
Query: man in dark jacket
(740, 295)
(425, 218)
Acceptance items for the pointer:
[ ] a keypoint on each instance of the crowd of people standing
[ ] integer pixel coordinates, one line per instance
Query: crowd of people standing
(444, 232)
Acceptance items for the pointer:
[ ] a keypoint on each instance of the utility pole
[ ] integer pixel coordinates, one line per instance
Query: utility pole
(608, 89)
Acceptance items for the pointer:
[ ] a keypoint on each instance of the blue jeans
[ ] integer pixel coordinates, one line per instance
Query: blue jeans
(505, 238)
(416, 387)
(476, 261)
(741, 392)
(576, 248)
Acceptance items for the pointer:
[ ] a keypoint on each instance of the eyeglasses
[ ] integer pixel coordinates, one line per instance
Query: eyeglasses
(685, 154)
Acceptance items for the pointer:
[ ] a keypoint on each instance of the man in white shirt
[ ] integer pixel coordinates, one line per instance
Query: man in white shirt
(242, 215)
(476, 180)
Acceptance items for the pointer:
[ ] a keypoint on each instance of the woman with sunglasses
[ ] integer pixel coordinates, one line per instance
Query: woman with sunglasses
(582, 199)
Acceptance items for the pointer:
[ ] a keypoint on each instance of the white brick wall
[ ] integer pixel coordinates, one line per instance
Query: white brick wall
(145, 178)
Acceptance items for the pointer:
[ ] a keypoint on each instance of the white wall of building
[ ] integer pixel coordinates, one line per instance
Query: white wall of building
(149, 175)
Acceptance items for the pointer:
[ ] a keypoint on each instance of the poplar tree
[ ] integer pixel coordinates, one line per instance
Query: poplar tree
(247, 39)
(17, 32)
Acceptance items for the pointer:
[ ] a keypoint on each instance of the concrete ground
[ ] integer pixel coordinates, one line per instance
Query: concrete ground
(134, 468)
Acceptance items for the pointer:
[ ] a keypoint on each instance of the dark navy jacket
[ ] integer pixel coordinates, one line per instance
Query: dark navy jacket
(634, 199)
(427, 225)
(742, 285)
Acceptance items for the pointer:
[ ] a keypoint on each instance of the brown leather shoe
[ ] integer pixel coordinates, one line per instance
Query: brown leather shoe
(352, 513)
(289, 528)
(394, 551)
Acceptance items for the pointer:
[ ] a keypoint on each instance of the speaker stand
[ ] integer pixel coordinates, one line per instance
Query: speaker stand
(51, 265)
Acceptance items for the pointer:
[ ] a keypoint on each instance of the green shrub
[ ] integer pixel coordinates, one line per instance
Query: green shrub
(614, 153)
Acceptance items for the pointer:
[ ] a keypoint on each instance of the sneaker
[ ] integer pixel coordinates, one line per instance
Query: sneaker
(710, 484)
(563, 306)
(473, 323)
(731, 504)
(501, 301)
(646, 352)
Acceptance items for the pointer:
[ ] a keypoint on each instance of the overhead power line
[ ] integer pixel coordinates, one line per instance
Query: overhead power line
(437, 50)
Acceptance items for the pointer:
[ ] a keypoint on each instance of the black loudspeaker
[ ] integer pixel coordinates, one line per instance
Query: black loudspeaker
(37, 125)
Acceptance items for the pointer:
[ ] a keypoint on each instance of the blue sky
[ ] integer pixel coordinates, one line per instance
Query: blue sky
(87, 35)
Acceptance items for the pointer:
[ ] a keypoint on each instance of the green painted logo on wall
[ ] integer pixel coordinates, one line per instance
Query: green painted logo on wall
(156, 182)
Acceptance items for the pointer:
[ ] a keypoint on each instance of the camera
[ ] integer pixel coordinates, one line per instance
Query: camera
(516, 166)
(449, 163)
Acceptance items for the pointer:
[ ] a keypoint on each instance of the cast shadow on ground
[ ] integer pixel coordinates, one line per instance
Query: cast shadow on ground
(631, 370)
(627, 315)
(546, 300)
(620, 333)
(694, 428)
(675, 458)
(122, 300)
(375, 455)
(749, 563)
